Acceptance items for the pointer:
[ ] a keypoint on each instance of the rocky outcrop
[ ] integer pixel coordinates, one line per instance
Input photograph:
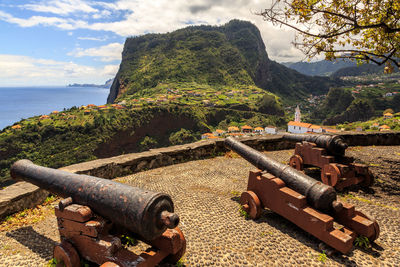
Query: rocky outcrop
(232, 53)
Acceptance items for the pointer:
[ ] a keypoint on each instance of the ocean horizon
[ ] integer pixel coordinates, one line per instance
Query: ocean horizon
(18, 103)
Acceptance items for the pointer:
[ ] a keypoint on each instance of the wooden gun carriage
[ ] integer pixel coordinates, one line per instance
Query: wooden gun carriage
(96, 213)
(306, 202)
(328, 153)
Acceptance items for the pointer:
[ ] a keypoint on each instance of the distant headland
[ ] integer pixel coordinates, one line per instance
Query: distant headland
(107, 84)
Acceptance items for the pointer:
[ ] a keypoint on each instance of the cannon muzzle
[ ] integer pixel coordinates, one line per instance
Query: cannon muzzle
(319, 195)
(143, 212)
(334, 144)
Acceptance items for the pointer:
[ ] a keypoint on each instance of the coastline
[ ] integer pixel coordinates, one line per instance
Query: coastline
(18, 103)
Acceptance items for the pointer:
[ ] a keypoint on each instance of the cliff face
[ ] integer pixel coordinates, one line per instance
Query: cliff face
(233, 54)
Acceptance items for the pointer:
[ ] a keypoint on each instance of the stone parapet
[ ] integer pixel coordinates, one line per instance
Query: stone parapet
(20, 196)
(23, 195)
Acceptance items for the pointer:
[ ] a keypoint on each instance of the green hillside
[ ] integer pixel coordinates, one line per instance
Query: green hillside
(375, 124)
(230, 55)
(369, 96)
(78, 135)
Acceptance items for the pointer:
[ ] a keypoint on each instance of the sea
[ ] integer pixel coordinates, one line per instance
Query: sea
(18, 103)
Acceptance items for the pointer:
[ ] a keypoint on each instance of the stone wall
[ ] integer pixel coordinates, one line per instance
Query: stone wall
(20, 196)
(130, 163)
(23, 195)
(372, 138)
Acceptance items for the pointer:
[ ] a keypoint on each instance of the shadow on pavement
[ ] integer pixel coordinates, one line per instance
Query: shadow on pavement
(37, 243)
(285, 226)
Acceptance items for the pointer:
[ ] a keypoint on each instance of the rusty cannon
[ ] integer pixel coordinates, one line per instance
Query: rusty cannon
(95, 213)
(328, 153)
(306, 202)
(334, 144)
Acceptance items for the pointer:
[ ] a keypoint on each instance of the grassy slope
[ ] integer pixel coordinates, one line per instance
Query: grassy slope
(75, 136)
(393, 123)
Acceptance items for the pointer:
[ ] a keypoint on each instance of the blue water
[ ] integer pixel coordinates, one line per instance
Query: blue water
(18, 103)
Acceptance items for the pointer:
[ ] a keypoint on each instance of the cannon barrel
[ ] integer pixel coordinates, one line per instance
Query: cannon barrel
(143, 212)
(318, 195)
(334, 144)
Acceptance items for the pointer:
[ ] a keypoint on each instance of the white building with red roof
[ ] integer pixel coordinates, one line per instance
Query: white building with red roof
(298, 127)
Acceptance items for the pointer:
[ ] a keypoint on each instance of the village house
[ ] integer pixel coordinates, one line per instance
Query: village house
(388, 115)
(271, 130)
(207, 136)
(44, 117)
(233, 129)
(384, 128)
(259, 130)
(315, 129)
(298, 127)
(247, 129)
(16, 127)
(117, 106)
(219, 132)
(54, 112)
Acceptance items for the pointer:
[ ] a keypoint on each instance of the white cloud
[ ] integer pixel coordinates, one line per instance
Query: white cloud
(18, 70)
(168, 15)
(66, 24)
(102, 14)
(160, 16)
(92, 38)
(106, 53)
(61, 7)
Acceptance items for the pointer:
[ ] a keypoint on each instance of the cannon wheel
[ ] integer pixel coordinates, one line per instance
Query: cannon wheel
(174, 258)
(66, 255)
(376, 225)
(296, 162)
(251, 204)
(330, 174)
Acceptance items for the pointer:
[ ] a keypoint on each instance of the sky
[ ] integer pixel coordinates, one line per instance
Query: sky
(58, 42)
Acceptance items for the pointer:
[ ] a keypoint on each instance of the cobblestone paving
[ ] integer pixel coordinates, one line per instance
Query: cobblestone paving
(206, 193)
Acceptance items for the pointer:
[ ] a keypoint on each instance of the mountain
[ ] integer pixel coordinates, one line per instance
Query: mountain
(230, 55)
(335, 69)
(319, 68)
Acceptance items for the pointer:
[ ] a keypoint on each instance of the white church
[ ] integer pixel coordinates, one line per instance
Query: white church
(297, 126)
